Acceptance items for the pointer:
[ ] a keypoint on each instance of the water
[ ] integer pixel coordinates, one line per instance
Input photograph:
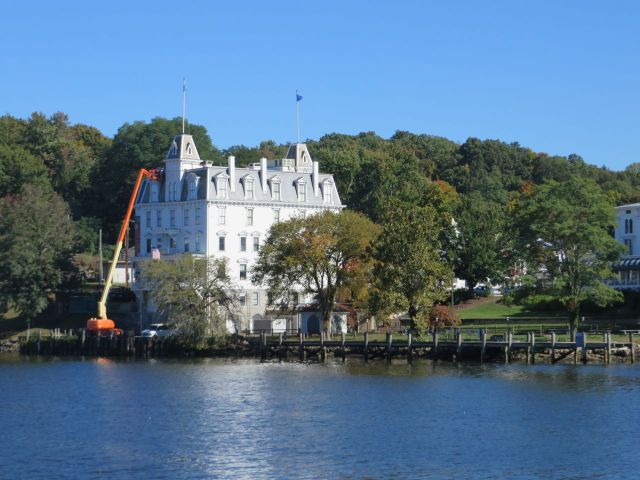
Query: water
(241, 419)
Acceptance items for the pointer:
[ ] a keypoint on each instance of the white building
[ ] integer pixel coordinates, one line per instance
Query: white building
(224, 211)
(628, 267)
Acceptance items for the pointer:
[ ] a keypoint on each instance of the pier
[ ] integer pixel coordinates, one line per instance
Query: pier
(455, 345)
(506, 349)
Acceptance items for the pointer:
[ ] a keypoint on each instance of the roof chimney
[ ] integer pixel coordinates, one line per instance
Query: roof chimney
(232, 172)
(314, 178)
(263, 173)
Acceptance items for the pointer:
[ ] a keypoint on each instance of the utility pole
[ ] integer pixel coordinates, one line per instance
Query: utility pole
(101, 279)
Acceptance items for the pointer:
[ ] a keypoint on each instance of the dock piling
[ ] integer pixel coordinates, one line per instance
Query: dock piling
(366, 346)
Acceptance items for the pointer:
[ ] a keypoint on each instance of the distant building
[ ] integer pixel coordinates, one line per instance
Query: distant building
(225, 211)
(626, 232)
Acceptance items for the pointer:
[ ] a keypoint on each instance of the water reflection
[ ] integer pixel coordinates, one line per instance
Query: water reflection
(208, 418)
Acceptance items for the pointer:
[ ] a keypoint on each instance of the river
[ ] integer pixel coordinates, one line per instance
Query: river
(246, 420)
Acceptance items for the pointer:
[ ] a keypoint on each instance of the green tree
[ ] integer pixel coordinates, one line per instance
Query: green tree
(410, 274)
(17, 168)
(480, 243)
(566, 228)
(195, 295)
(36, 243)
(319, 254)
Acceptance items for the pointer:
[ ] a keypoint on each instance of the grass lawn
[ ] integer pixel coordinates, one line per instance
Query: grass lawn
(493, 309)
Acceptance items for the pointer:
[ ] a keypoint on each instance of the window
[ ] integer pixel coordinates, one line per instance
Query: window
(221, 243)
(276, 215)
(148, 245)
(172, 218)
(255, 298)
(248, 189)
(170, 191)
(185, 217)
(197, 243)
(186, 244)
(302, 192)
(243, 299)
(243, 271)
(628, 225)
(327, 193)
(628, 243)
(222, 215)
(256, 244)
(159, 243)
(159, 218)
(192, 187)
(275, 190)
(243, 244)
(172, 243)
(221, 183)
(197, 215)
(302, 213)
(155, 188)
(249, 216)
(148, 219)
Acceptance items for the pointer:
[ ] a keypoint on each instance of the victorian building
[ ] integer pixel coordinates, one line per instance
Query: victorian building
(198, 208)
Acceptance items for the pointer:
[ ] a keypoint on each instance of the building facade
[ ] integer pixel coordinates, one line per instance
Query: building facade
(627, 269)
(198, 208)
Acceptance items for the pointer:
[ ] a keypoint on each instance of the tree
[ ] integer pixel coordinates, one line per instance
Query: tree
(319, 254)
(195, 294)
(480, 241)
(410, 274)
(36, 243)
(17, 168)
(566, 228)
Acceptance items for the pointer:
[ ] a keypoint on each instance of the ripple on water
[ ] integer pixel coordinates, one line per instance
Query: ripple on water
(243, 419)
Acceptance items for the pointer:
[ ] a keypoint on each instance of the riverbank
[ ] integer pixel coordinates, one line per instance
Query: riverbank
(495, 349)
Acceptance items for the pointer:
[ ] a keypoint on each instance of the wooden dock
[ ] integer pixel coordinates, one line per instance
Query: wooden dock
(406, 347)
(435, 348)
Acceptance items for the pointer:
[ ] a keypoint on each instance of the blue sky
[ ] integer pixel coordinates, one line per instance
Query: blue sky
(558, 76)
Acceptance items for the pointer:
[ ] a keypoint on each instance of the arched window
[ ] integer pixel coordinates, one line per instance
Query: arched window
(302, 190)
(192, 186)
(327, 192)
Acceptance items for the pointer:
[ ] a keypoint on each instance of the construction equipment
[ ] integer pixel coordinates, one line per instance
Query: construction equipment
(101, 324)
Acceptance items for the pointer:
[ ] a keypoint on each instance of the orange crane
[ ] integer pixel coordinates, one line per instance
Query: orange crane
(102, 324)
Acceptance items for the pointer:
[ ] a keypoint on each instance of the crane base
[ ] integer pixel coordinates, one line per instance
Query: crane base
(102, 325)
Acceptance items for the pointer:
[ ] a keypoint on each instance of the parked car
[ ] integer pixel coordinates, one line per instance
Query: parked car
(157, 330)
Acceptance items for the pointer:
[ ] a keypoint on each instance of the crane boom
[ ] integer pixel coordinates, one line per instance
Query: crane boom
(102, 323)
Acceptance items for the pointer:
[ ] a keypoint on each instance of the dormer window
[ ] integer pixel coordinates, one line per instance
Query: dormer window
(221, 185)
(189, 149)
(302, 190)
(248, 188)
(275, 189)
(155, 189)
(192, 186)
(327, 192)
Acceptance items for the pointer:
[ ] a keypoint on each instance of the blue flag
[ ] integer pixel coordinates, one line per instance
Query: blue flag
(298, 97)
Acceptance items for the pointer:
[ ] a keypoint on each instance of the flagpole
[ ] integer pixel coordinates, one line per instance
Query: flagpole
(297, 118)
(184, 102)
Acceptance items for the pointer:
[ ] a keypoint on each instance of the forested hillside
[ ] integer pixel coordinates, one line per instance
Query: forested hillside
(88, 177)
